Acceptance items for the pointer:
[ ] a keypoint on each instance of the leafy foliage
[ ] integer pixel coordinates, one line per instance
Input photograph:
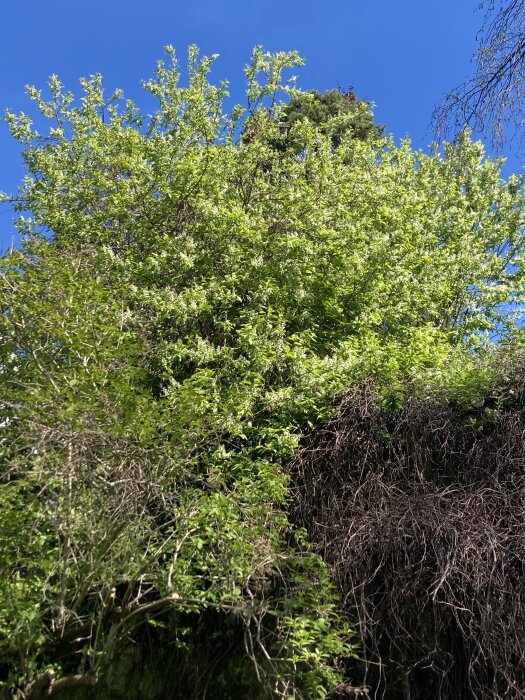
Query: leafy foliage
(201, 299)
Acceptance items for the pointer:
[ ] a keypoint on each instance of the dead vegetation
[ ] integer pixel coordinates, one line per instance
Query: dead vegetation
(421, 517)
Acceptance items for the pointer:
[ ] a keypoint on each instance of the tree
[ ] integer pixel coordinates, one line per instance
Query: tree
(334, 112)
(186, 305)
(492, 100)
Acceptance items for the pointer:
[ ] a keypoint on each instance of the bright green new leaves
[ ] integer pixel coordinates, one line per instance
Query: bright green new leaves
(208, 289)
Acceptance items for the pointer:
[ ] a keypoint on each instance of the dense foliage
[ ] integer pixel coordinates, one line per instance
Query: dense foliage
(322, 111)
(186, 303)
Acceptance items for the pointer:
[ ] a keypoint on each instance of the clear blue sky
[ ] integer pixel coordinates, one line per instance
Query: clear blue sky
(401, 55)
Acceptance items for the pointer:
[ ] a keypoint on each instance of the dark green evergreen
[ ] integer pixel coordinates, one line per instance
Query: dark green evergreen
(334, 112)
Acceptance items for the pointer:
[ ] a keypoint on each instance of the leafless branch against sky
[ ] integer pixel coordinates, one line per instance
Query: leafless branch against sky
(491, 100)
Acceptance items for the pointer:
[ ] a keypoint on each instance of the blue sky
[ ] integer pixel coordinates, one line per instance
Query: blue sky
(403, 56)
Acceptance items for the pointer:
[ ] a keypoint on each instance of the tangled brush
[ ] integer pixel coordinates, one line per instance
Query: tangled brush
(421, 517)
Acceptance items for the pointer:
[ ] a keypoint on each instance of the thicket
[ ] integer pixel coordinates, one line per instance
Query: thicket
(193, 289)
(419, 514)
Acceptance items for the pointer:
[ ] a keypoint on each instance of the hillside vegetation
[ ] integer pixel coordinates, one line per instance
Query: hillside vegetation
(195, 290)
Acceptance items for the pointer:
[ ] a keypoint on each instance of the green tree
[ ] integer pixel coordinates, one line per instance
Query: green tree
(334, 112)
(198, 305)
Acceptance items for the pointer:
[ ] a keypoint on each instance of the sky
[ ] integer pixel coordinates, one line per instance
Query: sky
(403, 56)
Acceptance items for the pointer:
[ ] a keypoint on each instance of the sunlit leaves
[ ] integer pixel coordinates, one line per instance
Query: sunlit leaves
(204, 295)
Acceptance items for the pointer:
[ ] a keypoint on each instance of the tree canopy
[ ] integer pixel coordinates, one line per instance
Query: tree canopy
(323, 111)
(186, 304)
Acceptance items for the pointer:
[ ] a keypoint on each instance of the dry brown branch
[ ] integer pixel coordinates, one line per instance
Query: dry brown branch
(421, 518)
(47, 686)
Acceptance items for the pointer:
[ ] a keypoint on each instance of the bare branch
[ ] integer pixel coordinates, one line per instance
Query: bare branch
(491, 101)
